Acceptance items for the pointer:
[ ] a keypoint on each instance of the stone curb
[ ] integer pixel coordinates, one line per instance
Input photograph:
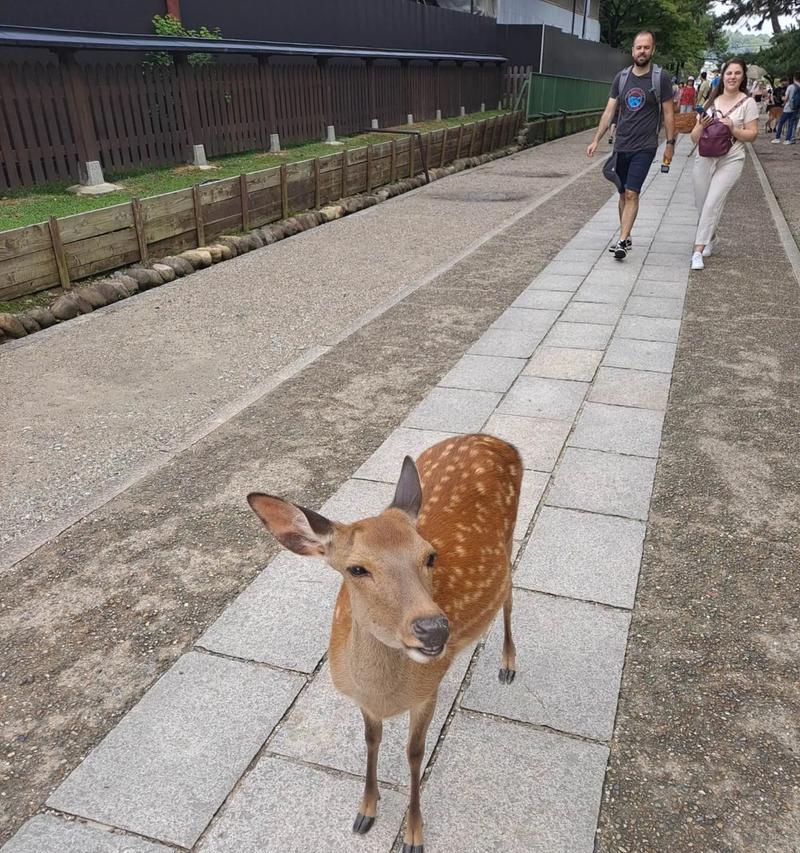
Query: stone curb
(129, 281)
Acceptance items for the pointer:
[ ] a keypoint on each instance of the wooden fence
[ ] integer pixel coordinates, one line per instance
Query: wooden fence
(513, 81)
(55, 115)
(64, 250)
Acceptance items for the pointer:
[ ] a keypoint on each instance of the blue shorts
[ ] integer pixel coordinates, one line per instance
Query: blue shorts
(632, 168)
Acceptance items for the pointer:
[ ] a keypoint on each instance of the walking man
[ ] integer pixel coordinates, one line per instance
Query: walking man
(642, 93)
(704, 89)
(791, 108)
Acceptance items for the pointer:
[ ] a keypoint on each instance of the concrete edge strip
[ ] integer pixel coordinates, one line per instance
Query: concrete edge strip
(28, 544)
(784, 232)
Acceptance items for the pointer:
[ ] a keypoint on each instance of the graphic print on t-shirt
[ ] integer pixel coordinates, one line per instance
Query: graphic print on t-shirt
(634, 99)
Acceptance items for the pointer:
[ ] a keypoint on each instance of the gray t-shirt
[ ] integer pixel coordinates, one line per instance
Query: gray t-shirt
(637, 121)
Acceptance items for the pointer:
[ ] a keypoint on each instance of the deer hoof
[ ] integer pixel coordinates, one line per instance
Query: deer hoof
(362, 824)
(413, 848)
(506, 676)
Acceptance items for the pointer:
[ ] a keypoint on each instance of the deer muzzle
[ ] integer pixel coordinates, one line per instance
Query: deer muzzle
(432, 632)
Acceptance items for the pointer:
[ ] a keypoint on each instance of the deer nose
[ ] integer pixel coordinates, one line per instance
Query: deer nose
(431, 632)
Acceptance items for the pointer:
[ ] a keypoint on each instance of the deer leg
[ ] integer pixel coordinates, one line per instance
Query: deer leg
(418, 730)
(508, 663)
(373, 732)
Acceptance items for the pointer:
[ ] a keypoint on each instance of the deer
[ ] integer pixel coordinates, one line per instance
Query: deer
(421, 582)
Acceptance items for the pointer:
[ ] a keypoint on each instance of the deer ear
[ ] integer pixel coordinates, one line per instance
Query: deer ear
(408, 495)
(298, 529)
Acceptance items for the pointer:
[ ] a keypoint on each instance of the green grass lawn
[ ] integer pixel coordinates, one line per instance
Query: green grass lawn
(25, 207)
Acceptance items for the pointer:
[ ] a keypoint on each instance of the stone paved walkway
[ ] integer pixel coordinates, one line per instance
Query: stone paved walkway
(244, 746)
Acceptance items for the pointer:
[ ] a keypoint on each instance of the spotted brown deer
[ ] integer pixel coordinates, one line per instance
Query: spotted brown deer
(421, 581)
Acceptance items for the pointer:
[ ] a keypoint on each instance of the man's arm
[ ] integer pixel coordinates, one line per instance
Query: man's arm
(605, 122)
(668, 111)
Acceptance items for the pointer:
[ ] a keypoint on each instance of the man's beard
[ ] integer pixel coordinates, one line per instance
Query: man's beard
(641, 60)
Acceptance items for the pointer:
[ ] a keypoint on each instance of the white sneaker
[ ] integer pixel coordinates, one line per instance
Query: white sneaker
(697, 261)
(708, 251)
(788, 141)
(775, 141)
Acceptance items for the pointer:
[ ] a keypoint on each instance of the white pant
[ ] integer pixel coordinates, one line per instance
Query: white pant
(713, 178)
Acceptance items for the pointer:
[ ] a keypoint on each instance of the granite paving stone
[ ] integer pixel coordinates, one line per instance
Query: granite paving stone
(592, 312)
(618, 429)
(150, 774)
(283, 807)
(47, 833)
(539, 440)
(533, 791)
(603, 482)
(533, 485)
(564, 363)
(483, 373)
(592, 336)
(506, 342)
(556, 281)
(613, 294)
(664, 275)
(661, 288)
(673, 260)
(327, 728)
(386, 462)
(637, 388)
(573, 253)
(549, 299)
(583, 555)
(558, 267)
(526, 319)
(652, 306)
(535, 397)
(453, 409)
(356, 499)
(569, 661)
(617, 275)
(283, 618)
(655, 356)
(648, 329)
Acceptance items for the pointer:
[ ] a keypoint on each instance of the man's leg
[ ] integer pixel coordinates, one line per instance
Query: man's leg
(781, 122)
(621, 207)
(629, 205)
(791, 124)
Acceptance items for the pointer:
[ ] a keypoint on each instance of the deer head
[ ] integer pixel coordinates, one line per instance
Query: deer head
(386, 565)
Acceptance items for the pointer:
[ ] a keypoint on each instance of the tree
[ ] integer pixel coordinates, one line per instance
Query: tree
(762, 11)
(684, 30)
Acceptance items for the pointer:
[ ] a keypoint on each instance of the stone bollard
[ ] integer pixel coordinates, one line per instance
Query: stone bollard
(375, 124)
(499, 105)
(462, 111)
(199, 160)
(92, 180)
(483, 107)
(409, 119)
(438, 115)
(330, 138)
(274, 143)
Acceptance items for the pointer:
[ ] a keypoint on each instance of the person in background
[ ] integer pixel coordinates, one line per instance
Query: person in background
(791, 107)
(714, 177)
(775, 104)
(757, 92)
(715, 78)
(676, 92)
(688, 96)
(704, 89)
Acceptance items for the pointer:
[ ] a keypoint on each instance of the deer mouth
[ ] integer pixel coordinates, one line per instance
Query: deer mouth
(423, 654)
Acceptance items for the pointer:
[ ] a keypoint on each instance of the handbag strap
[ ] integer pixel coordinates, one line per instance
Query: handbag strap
(734, 107)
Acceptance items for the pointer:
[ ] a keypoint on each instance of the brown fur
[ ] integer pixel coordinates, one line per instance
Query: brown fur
(470, 492)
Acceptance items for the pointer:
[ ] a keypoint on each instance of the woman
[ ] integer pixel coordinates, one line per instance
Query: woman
(688, 96)
(714, 177)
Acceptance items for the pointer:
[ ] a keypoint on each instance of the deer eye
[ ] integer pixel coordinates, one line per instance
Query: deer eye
(431, 560)
(357, 571)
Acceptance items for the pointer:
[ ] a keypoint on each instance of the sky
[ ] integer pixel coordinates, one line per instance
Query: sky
(742, 25)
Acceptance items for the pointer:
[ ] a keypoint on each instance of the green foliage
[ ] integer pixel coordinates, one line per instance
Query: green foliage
(781, 57)
(761, 11)
(170, 27)
(685, 31)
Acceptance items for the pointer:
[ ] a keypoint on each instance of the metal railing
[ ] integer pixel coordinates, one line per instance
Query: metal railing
(549, 94)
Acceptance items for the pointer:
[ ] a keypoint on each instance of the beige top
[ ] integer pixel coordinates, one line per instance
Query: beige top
(744, 113)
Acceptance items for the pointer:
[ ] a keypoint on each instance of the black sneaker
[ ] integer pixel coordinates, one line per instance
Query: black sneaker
(621, 250)
(628, 245)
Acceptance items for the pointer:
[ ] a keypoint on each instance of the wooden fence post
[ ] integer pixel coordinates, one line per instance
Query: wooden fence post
(245, 200)
(284, 192)
(138, 224)
(345, 164)
(317, 199)
(444, 146)
(58, 251)
(198, 215)
(460, 140)
(369, 168)
(393, 162)
(411, 140)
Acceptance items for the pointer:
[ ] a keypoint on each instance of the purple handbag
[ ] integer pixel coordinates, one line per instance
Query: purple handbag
(716, 139)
